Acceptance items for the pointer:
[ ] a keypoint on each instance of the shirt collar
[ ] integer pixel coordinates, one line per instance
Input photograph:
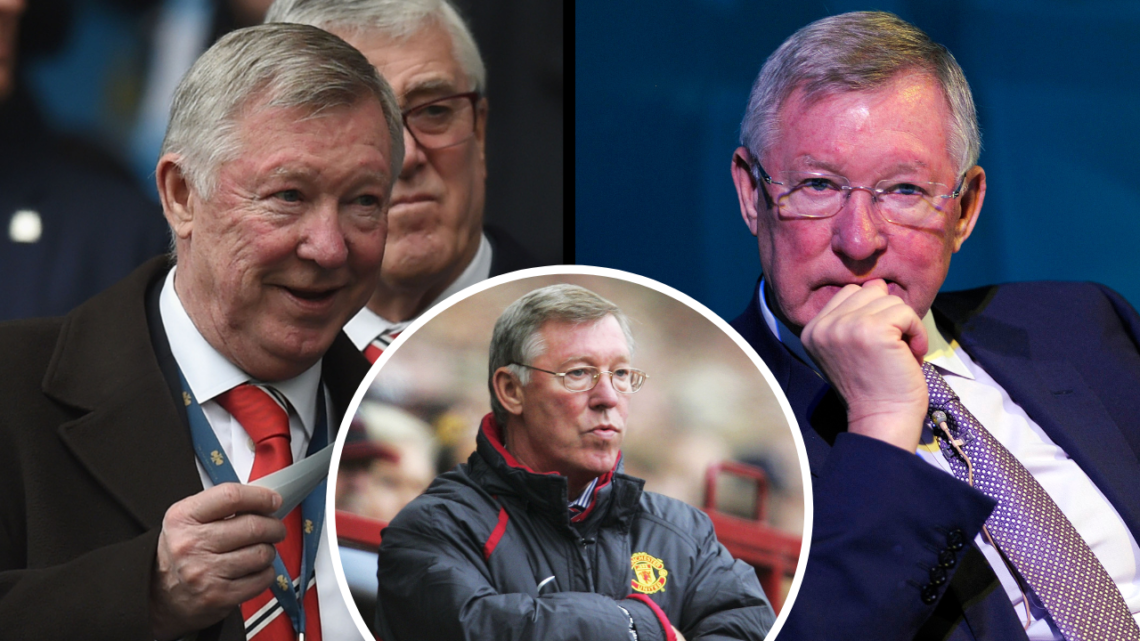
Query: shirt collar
(366, 325)
(939, 352)
(208, 373)
(942, 353)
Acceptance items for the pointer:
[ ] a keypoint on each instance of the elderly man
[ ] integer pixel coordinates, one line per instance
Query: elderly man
(275, 179)
(1017, 517)
(540, 532)
(437, 243)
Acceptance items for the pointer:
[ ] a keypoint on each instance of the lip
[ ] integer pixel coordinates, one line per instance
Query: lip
(605, 432)
(313, 300)
(413, 199)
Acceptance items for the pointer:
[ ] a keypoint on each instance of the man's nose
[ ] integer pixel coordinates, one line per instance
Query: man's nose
(604, 395)
(857, 231)
(322, 238)
(414, 154)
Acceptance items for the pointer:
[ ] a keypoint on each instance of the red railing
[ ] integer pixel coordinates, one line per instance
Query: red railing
(774, 553)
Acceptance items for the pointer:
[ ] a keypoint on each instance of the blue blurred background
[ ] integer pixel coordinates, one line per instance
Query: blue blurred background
(661, 87)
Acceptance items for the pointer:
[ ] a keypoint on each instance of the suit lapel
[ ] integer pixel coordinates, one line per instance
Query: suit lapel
(813, 401)
(1055, 395)
(1057, 398)
(128, 433)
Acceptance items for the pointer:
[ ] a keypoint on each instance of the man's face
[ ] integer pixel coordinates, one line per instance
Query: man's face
(897, 132)
(288, 247)
(10, 11)
(436, 218)
(577, 434)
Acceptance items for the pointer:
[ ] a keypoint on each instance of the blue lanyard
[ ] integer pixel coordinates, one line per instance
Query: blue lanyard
(213, 458)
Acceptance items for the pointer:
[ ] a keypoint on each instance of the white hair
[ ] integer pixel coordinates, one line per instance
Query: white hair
(859, 51)
(271, 66)
(396, 19)
(516, 338)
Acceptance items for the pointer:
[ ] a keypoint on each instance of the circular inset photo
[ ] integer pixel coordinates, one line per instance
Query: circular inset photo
(570, 452)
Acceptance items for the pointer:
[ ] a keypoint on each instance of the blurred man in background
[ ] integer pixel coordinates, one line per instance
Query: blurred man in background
(437, 242)
(72, 222)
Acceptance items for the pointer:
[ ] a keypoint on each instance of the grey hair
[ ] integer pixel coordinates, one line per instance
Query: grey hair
(516, 338)
(858, 51)
(396, 19)
(268, 66)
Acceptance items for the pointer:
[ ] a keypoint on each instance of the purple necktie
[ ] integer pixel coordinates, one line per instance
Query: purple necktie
(1030, 530)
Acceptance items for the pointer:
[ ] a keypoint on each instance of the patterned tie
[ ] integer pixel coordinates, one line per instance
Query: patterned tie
(1031, 530)
(267, 423)
(373, 350)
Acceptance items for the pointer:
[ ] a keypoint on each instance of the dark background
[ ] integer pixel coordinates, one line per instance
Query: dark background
(661, 87)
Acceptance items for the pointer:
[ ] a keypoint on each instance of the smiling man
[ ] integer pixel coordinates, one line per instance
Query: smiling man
(974, 454)
(437, 242)
(275, 178)
(540, 532)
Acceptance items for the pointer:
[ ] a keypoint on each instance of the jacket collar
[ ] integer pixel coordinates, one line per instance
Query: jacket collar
(1048, 387)
(549, 492)
(817, 407)
(128, 431)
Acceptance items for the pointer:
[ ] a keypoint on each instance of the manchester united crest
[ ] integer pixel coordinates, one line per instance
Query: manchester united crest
(649, 573)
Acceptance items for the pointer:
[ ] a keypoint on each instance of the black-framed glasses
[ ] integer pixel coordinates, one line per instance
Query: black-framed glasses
(809, 194)
(443, 122)
(626, 380)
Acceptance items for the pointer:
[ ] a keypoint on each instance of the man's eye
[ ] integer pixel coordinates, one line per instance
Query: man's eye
(818, 184)
(288, 195)
(621, 373)
(367, 200)
(905, 189)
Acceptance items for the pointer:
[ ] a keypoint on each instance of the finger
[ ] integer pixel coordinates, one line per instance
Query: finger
(838, 299)
(228, 499)
(899, 315)
(245, 588)
(241, 531)
(246, 561)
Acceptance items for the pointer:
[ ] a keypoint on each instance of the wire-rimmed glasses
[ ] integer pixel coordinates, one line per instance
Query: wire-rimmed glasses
(808, 194)
(626, 380)
(443, 122)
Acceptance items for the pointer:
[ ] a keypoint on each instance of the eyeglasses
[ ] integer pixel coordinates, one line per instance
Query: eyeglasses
(443, 122)
(818, 195)
(626, 380)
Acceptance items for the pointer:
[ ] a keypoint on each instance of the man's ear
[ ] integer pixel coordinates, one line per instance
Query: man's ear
(973, 194)
(176, 195)
(746, 186)
(509, 390)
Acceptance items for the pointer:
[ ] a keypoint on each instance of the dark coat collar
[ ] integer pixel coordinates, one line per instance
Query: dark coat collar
(615, 496)
(129, 432)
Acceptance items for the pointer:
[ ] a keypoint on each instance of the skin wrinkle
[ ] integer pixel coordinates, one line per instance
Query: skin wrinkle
(433, 240)
(552, 429)
(270, 282)
(863, 136)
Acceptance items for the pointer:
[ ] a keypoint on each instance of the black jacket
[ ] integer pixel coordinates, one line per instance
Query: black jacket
(465, 561)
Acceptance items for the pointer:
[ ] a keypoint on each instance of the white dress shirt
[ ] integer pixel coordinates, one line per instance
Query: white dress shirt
(209, 374)
(363, 328)
(1094, 518)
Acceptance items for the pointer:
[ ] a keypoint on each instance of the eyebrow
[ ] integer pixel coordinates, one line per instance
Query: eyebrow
(897, 168)
(441, 86)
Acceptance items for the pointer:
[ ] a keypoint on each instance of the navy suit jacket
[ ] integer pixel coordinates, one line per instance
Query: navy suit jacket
(885, 520)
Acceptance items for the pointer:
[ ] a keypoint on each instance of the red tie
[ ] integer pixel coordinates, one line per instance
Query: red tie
(373, 350)
(267, 423)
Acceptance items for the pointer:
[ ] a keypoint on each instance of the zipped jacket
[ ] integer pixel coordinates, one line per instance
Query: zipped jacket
(490, 551)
